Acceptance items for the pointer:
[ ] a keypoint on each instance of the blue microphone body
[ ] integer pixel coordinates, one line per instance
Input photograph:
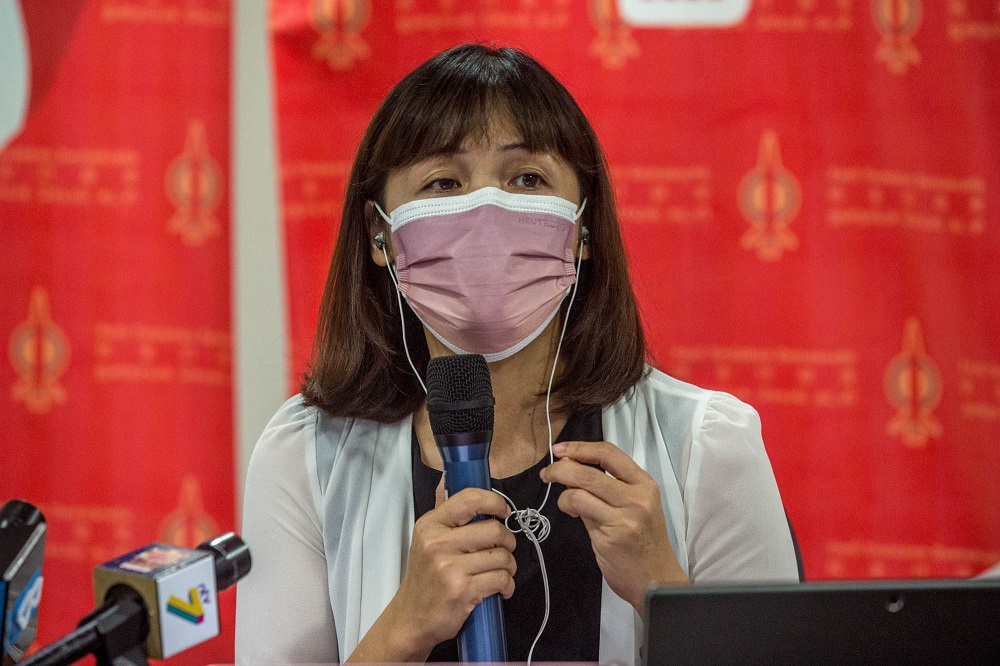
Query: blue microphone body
(467, 465)
(460, 406)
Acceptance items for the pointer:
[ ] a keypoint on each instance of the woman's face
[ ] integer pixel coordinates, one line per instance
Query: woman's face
(499, 160)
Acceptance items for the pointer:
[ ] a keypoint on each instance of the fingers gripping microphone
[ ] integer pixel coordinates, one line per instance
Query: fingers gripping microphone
(22, 540)
(156, 601)
(460, 405)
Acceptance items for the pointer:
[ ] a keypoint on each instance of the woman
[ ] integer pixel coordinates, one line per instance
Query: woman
(480, 193)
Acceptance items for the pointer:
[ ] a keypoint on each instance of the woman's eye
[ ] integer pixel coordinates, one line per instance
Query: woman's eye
(529, 181)
(442, 184)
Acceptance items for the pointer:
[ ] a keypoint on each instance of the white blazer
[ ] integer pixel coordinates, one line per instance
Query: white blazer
(328, 515)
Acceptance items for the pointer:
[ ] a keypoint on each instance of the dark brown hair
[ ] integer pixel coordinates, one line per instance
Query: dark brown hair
(359, 367)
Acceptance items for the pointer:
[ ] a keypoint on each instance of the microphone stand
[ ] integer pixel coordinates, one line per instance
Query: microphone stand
(113, 633)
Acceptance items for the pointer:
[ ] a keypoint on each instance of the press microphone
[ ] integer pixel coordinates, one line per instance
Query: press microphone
(460, 406)
(155, 602)
(22, 540)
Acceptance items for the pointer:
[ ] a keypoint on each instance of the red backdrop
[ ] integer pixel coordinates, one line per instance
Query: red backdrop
(808, 196)
(809, 200)
(115, 303)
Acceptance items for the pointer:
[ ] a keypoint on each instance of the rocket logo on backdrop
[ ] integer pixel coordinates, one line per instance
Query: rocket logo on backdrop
(769, 198)
(913, 386)
(188, 524)
(339, 23)
(39, 351)
(614, 44)
(194, 186)
(898, 21)
(191, 609)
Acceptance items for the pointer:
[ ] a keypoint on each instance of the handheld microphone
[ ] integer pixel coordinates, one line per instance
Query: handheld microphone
(155, 602)
(22, 540)
(460, 406)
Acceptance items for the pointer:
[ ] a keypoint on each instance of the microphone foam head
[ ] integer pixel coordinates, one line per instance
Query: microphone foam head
(459, 394)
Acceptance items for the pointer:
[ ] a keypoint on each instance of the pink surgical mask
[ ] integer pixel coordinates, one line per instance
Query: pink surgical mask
(486, 271)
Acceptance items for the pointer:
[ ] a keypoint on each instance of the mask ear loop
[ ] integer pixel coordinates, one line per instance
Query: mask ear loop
(399, 301)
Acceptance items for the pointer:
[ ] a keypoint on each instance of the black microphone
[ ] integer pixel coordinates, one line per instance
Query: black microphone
(22, 541)
(460, 406)
(156, 601)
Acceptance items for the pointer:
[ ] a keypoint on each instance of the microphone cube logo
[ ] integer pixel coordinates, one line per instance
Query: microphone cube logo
(684, 13)
(189, 611)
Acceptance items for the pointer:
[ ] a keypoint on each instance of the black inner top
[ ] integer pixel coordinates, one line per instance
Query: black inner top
(573, 630)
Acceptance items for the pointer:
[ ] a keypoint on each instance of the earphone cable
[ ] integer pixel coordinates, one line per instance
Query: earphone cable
(402, 319)
(529, 532)
(534, 517)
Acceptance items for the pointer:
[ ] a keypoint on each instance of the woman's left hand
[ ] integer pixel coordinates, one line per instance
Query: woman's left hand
(622, 513)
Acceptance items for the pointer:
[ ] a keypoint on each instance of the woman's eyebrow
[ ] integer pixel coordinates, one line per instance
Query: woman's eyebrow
(509, 147)
(522, 147)
(437, 157)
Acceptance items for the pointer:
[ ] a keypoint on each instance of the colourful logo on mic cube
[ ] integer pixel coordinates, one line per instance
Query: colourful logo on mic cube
(191, 608)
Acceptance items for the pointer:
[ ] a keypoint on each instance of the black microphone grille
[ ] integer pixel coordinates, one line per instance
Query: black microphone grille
(459, 394)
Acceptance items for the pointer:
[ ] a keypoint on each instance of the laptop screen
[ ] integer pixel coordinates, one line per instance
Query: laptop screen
(886, 622)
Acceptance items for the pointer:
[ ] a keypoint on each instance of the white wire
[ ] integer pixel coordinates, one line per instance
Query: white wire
(541, 561)
(402, 319)
(531, 522)
(539, 524)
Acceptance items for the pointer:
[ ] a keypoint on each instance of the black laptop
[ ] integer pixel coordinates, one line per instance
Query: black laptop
(865, 622)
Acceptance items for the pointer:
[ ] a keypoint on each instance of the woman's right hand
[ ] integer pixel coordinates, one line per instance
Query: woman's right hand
(452, 566)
